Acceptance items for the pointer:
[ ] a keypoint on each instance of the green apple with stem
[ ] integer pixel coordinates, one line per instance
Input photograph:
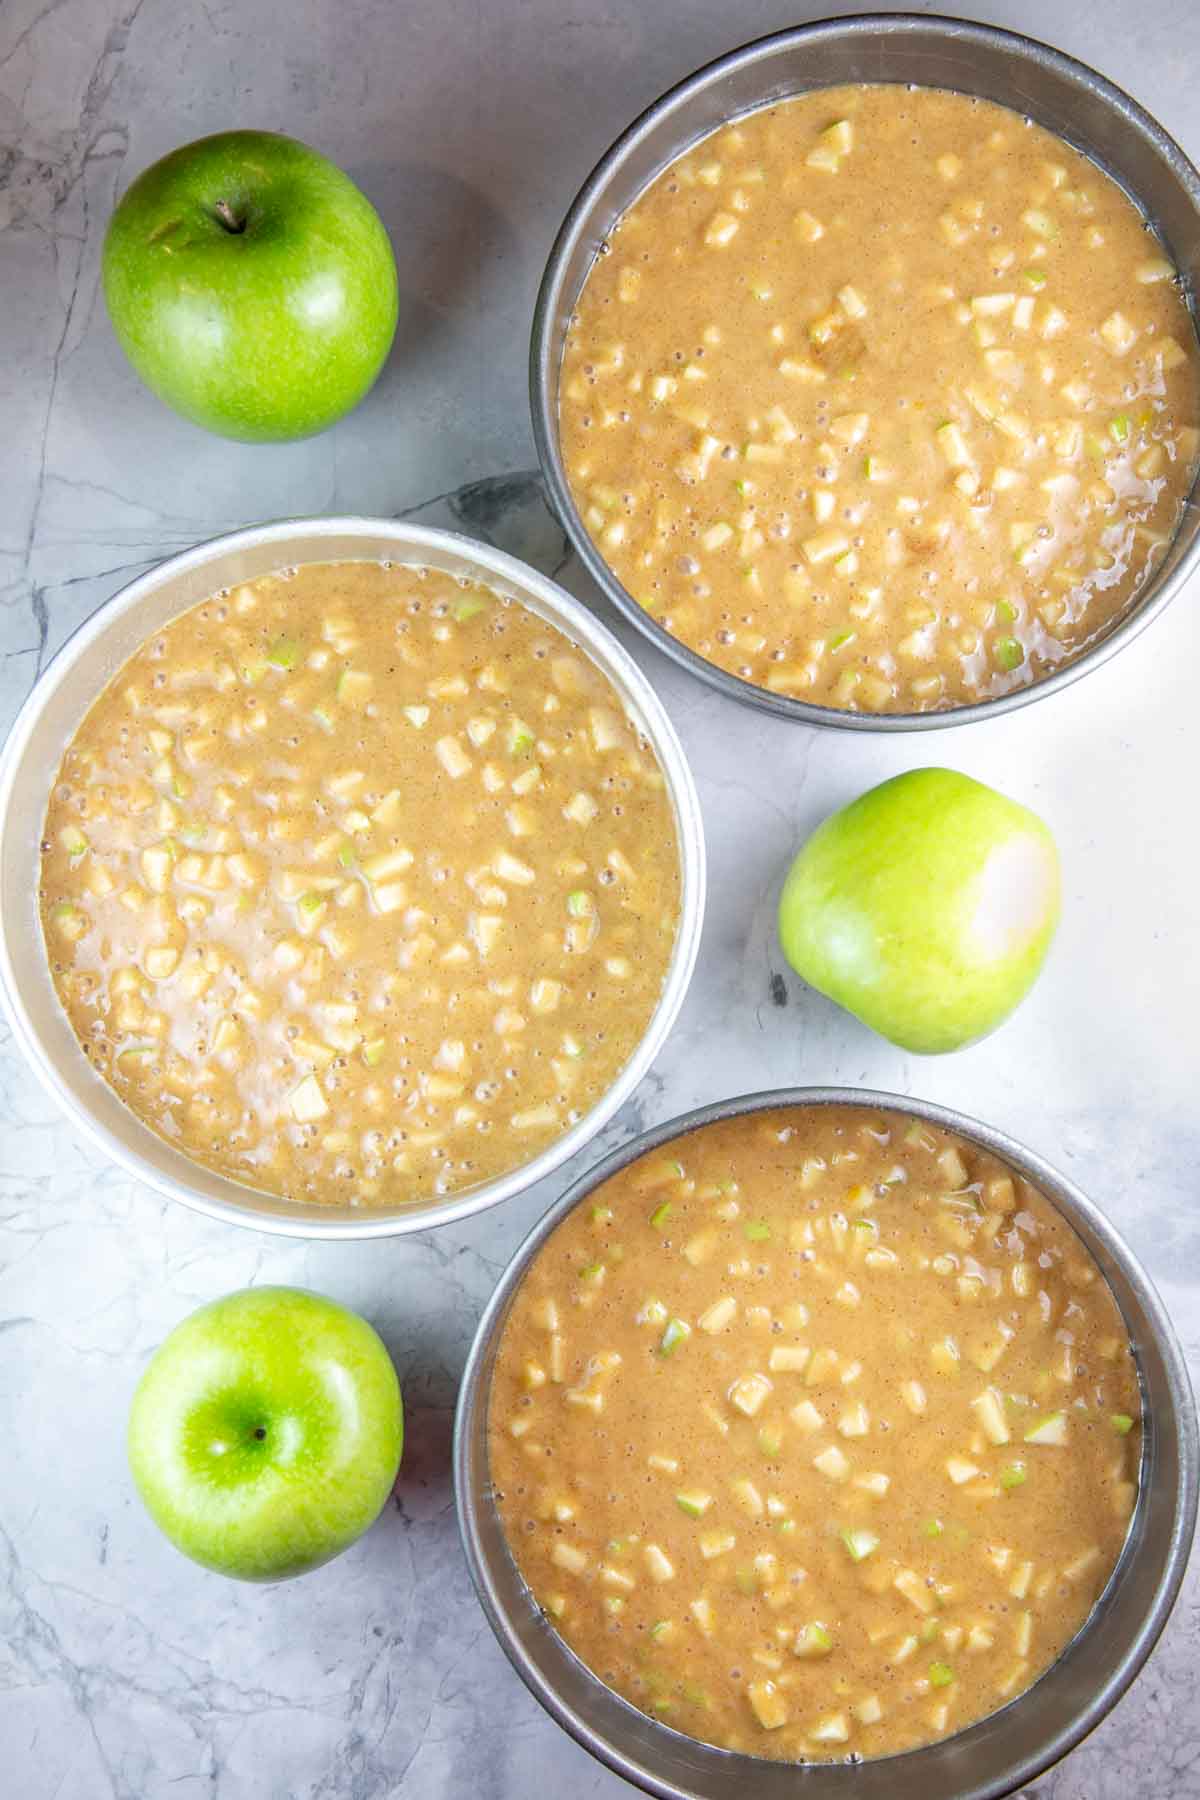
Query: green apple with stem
(251, 285)
(265, 1435)
(925, 908)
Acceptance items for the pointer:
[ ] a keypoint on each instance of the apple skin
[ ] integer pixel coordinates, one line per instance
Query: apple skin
(925, 908)
(266, 332)
(316, 1381)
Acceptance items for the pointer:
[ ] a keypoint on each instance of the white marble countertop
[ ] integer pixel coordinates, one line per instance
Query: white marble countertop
(125, 1673)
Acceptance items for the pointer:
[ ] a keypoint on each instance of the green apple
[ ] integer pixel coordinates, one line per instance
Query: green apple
(251, 285)
(925, 908)
(265, 1435)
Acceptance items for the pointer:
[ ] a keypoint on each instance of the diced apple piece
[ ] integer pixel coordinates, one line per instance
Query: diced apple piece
(850, 428)
(1118, 333)
(855, 1422)
(876, 1483)
(389, 864)
(511, 869)
(822, 1367)
(716, 1317)
(716, 1543)
(354, 687)
(484, 931)
(748, 1497)
(989, 1410)
(606, 729)
(452, 757)
(1050, 1430)
(823, 546)
(806, 1416)
(720, 230)
(157, 865)
(161, 961)
(749, 1393)
(69, 921)
(832, 1463)
(701, 1610)
(916, 1591)
(658, 1565)
(768, 1704)
(953, 445)
(811, 1640)
(307, 1101)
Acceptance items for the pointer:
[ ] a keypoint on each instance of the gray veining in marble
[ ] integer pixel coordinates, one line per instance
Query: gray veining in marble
(125, 1673)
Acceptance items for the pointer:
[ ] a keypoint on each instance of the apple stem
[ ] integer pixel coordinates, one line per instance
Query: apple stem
(228, 217)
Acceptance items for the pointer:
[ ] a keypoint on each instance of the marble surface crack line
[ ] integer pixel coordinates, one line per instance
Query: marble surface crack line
(23, 37)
